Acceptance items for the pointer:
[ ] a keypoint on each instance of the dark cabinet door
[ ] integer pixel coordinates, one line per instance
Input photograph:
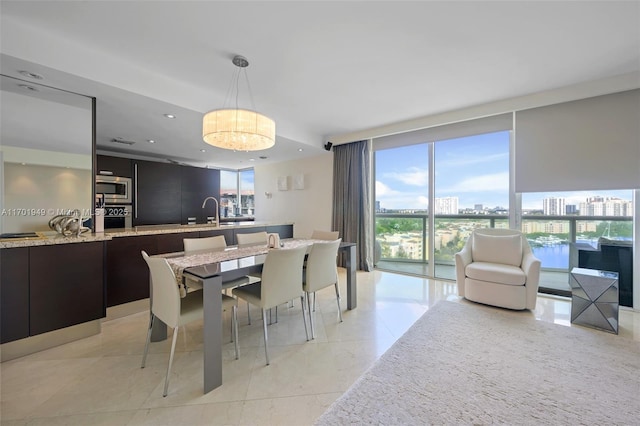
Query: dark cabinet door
(66, 285)
(285, 231)
(157, 197)
(169, 243)
(14, 294)
(117, 166)
(196, 185)
(127, 272)
(228, 235)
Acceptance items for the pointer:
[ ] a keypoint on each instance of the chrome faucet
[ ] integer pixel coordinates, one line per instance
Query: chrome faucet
(216, 217)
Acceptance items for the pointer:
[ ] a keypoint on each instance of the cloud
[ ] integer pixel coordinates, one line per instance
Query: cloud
(390, 198)
(481, 183)
(414, 176)
(383, 190)
(460, 161)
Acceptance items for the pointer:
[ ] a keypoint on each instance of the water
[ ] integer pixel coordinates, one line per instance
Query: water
(556, 255)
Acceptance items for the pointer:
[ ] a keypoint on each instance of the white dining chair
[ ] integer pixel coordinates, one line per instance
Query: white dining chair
(281, 282)
(321, 271)
(252, 238)
(206, 243)
(324, 235)
(174, 311)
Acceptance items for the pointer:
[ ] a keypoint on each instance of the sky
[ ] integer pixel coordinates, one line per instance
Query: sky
(475, 169)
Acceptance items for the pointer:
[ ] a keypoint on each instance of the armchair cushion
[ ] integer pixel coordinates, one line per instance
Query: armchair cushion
(496, 272)
(503, 249)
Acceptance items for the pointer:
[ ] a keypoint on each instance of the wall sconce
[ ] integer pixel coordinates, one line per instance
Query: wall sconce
(268, 194)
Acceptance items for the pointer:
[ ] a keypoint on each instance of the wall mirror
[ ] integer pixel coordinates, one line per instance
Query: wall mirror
(46, 154)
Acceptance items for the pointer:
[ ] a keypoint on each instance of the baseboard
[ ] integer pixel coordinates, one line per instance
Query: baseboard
(126, 309)
(33, 344)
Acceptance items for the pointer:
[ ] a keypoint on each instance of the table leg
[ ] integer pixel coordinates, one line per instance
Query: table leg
(350, 264)
(212, 302)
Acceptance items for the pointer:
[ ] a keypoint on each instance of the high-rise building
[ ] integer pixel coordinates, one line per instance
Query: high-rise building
(600, 206)
(554, 206)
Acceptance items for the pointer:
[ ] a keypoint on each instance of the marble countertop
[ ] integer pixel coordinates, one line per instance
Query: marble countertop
(52, 238)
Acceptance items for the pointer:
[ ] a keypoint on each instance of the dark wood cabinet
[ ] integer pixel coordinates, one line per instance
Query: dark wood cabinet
(228, 235)
(168, 243)
(117, 166)
(285, 231)
(14, 294)
(66, 285)
(157, 194)
(196, 185)
(127, 272)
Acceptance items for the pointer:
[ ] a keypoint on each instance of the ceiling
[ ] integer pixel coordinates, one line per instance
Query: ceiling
(319, 69)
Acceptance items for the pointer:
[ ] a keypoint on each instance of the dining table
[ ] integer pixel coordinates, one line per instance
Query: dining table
(212, 268)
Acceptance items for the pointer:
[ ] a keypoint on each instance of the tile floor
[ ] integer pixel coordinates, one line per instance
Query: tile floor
(98, 380)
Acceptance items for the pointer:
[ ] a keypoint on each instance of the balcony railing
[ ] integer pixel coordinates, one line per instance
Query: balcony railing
(404, 237)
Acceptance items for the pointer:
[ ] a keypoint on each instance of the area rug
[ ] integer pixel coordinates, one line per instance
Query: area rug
(464, 363)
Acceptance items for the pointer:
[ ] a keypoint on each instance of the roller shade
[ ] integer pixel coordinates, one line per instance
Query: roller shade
(495, 123)
(589, 144)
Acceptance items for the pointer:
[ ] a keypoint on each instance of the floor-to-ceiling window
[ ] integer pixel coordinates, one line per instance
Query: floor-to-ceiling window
(228, 193)
(246, 178)
(402, 200)
(237, 193)
(471, 191)
(554, 221)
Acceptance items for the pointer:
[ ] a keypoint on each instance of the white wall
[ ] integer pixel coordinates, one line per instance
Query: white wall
(308, 208)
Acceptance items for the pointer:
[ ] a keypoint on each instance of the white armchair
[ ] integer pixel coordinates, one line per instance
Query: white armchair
(497, 267)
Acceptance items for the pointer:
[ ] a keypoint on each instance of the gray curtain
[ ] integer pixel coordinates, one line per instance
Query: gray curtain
(352, 199)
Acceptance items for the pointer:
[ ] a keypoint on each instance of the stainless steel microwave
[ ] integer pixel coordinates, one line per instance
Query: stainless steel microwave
(116, 189)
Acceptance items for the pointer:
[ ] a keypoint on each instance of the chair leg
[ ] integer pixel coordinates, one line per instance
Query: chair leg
(146, 345)
(173, 350)
(266, 339)
(234, 326)
(313, 331)
(249, 313)
(314, 301)
(304, 317)
(338, 300)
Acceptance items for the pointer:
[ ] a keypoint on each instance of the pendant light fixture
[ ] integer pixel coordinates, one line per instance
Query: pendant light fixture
(238, 129)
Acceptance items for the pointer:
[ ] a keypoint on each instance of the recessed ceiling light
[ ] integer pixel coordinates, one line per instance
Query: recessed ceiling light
(151, 141)
(31, 75)
(170, 116)
(203, 150)
(300, 149)
(27, 87)
(252, 159)
(263, 157)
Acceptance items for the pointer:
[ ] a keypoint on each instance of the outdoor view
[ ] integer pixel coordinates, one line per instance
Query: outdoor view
(472, 191)
(229, 190)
